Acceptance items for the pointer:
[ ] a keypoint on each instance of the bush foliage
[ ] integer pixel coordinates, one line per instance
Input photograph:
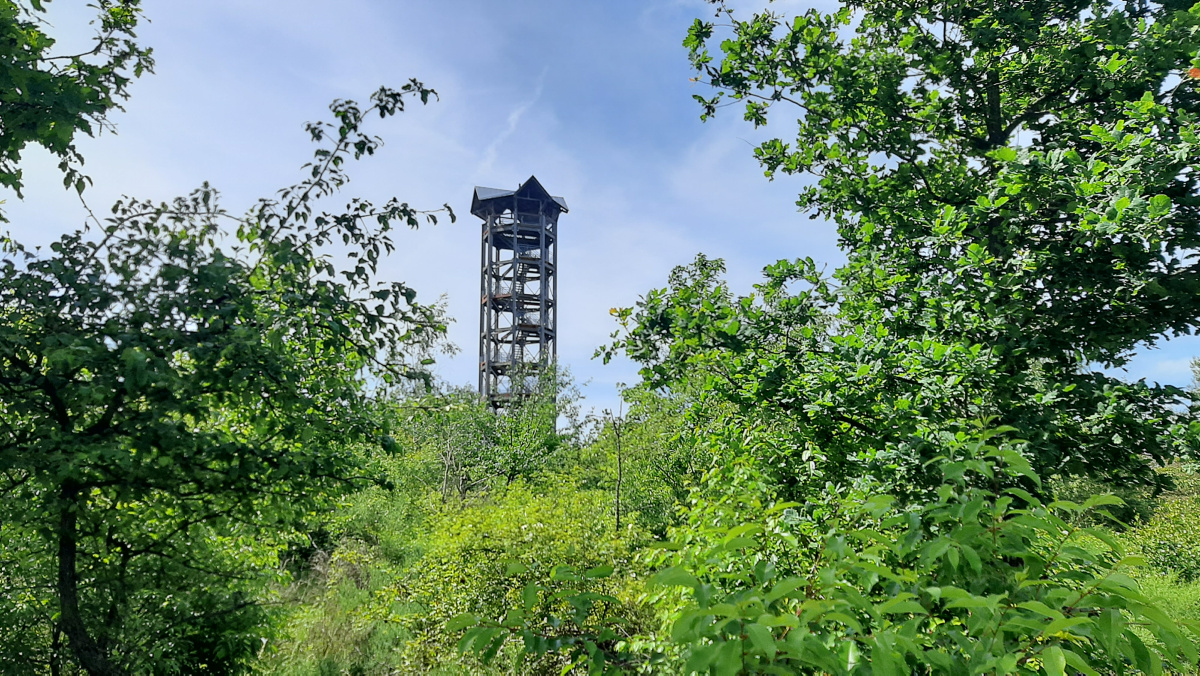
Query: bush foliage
(1170, 540)
(220, 450)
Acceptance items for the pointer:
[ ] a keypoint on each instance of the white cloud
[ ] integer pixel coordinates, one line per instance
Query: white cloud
(514, 118)
(590, 97)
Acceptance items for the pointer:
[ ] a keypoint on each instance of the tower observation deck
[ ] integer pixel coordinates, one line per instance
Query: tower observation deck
(518, 313)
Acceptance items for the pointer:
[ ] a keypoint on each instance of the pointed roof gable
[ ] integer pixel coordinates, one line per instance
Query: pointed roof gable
(531, 188)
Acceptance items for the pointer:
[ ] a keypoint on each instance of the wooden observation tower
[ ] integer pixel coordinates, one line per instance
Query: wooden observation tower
(518, 317)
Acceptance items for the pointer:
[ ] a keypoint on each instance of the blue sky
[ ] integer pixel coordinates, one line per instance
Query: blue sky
(592, 97)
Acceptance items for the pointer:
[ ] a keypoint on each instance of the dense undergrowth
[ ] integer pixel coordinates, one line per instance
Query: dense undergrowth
(397, 567)
(395, 564)
(220, 452)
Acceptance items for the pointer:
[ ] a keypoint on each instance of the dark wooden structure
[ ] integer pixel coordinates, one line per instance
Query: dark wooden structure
(518, 318)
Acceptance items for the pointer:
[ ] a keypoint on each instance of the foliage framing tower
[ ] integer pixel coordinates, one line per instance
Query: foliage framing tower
(518, 314)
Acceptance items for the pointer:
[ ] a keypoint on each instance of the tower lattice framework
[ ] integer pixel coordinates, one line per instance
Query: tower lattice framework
(518, 313)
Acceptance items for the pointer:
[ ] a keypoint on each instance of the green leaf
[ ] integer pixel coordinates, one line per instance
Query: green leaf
(1004, 154)
(1078, 663)
(459, 622)
(761, 639)
(564, 573)
(744, 529)
(728, 660)
(968, 601)
(1054, 661)
(902, 607)
(784, 588)
(701, 658)
(972, 558)
(740, 543)
(1160, 205)
(530, 595)
(601, 571)
(480, 640)
(1041, 609)
(675, 577)
(1062, 624)
(786, 620)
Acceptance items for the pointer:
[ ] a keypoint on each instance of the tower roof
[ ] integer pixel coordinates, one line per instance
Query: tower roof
(531, 189)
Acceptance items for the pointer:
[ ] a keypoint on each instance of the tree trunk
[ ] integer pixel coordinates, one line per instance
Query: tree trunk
(87, 652)
(620, 467)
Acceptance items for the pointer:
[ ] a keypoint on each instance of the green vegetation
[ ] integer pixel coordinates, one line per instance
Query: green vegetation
(221, 452)
(168, 424)
(49, 96)
(1169, 538)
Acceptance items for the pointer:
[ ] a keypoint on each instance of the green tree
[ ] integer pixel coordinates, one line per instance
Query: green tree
(1013, 185)
(46, 97)
(978, 580)
(179, 390)
(647, 454)
(1014, 188)
(455, 444)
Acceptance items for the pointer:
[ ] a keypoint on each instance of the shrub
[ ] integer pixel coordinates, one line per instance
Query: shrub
(1137, 502)
(338, 621)
(1186, 477)
(1170, 540)
(480, 555)
(978, 579)
(1180, 600)
(387, 521)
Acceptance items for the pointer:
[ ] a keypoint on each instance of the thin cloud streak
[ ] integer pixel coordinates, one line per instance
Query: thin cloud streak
(514, 118)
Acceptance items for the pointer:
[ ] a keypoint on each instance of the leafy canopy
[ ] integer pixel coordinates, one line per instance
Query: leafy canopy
(181, 382)
(49, 97)
(1014, 190)
(978, 580)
